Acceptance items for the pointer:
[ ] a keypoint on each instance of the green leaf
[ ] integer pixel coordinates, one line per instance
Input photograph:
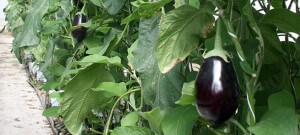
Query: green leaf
(57, 95)
(49, 54)
(130, 120)
(113, 6)
(52, 111)
(284, 19)
(109, 40)
(146, 9)
(154, 117)
(188, 94)
(179, 35)
(115, 89)
(280, 100)
(195, 3)
(159, 89)
(297, 45)
(281, 121)
(148, 32)
(29, 34)
(277, 3)
(94, 50)
(79, 99)
(247, 68)
(131, 131)
(57, 69)
(96, 2)
(166, 88)
(65, 9)
(92, 41)
(130, 51)
(51, 27)
(247, 13)
(96, 58)
(180, 121)
(49, 85)
(297, 87)
(179, 3)
(270, 37)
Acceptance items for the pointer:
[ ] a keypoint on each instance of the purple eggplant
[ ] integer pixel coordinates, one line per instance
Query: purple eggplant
(217, 90)
(79, 33)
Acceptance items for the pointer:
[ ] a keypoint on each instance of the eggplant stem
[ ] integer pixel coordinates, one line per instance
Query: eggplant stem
(218, 39)
(106, 130)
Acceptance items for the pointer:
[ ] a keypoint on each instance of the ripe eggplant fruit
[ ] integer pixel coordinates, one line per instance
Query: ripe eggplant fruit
(217, 90)
(79, 33)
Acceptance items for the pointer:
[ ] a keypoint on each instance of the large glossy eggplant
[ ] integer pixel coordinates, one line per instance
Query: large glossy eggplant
(217, 90)
(79, 33)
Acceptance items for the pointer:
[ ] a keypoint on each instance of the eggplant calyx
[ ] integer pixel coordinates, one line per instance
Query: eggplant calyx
(218, 49)
(218, 52)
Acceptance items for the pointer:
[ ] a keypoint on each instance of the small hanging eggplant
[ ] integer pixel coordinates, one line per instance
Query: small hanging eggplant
(79, 33)
(217, 89)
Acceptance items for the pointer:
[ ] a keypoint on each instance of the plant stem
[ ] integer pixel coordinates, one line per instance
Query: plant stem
(119, 38)
(95, 131)
(218, 39)
(83, 8)
(235, 41)
(239, 125)
(138, 80)
(230, 31)
(106, 129)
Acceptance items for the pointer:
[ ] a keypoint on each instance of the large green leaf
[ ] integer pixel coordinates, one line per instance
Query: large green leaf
(281, 121)
(188, 94)
(109, 40)
(29, 35)
(162, 90)
(48, 59)
(65, 8)
(92, 42)
(96, 2)
(154, 117)
(113, 6)
(281, 117)
(79, 99)
(148, 33)
(112, 88)
(179, 35)
(277, 3)
(130, 120)
(159, 89)
(281, 99)
(131, 130)
(146, 9)
(180, 121)
(179, 3)
(52, 111)
(247, 13)
(284, 19)
(96, 58)
(270, 37)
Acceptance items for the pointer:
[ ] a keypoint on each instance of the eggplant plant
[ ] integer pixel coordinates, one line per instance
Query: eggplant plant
(165, 67)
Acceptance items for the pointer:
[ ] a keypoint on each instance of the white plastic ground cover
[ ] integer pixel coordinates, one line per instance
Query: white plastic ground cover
(34, 70)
